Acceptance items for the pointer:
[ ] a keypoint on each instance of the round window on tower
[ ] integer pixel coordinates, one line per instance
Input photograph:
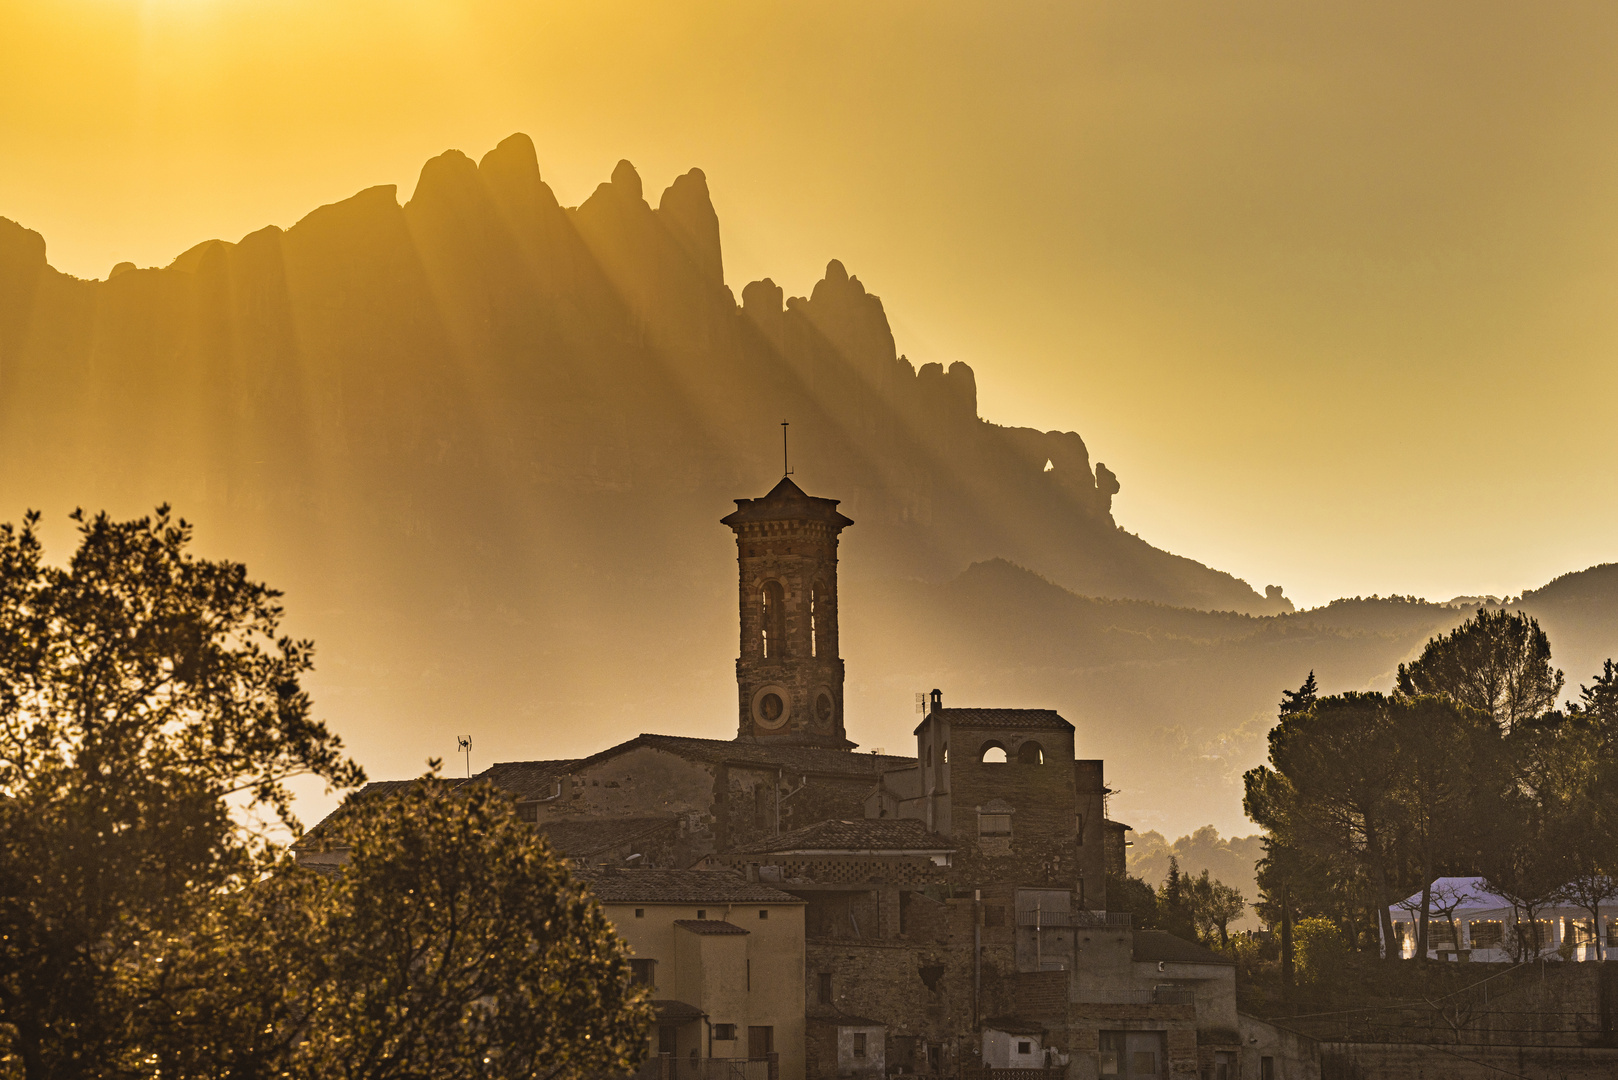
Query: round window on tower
(824, 707)
(772, 707)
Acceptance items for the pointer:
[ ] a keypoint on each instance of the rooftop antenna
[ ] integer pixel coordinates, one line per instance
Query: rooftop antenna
(786, 469)
(464, 744)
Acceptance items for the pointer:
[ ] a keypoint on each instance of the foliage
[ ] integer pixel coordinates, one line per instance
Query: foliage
(1467, 769)
(452, 944)
(1197, 909)
(1230, 859)
(150, 716)
(1321, 949)
(143, 692)
(1174, 912)
(1302, 699)
(1497, 662)
(1130, 894)
(1332, 790)
(1213, 905)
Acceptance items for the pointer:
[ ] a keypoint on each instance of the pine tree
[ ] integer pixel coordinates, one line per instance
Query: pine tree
(1300, 700)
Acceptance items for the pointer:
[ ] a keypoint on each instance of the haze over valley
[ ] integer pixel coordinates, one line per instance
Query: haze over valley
(483, 440)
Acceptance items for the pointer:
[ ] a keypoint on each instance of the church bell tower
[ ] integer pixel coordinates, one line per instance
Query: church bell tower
(789, 678)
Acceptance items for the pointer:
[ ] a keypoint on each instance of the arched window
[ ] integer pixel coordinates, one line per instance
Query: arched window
(929, 756)
(992, 754)
(820, 620)
(1030, 753)
(774, 602)
(946, 754)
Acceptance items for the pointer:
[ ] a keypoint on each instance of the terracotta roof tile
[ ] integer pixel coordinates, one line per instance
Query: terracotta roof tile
(526, 780)
(1029, 719)
(766, 752)
(708, 927)
(579, 838)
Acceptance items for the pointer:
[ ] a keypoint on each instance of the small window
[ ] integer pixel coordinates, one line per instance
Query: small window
(1024, 1046)
(640, 913)
(644, 972)
(859, 1044)
(763, 913)
(724, 1032)
(1266, 1068)
(668, 1039)
(702, 913)
(994, 824)
(946, 753)
(823, 988)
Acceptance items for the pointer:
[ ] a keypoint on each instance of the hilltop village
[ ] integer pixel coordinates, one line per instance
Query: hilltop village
(800, 909)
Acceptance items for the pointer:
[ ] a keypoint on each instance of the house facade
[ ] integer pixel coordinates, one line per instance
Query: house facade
(723, 960)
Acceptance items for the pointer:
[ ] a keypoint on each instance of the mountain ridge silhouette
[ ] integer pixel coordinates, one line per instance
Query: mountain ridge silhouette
(483, 441)
(482, 308)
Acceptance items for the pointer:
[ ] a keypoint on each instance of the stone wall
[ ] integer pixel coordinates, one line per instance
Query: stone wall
(1043, 847)
(1433, 1061)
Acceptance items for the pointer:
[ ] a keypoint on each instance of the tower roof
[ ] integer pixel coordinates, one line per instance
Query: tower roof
(787, 502)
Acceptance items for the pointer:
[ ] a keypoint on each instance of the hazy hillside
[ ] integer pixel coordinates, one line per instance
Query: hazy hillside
(483, 441)
(1177, 701)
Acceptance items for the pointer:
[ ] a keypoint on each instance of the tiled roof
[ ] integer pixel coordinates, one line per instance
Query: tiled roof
(1013, 1025)
(679, 887)
(525, 780)
(677, 1011)
(310, 839)
(579, 838)
(709, 927)
(786, 500)
(1029, 719)
(791, 757)
(1156, 946)
(870, 834)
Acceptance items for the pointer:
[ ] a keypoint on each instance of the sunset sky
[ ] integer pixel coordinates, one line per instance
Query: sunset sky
(1329, 286)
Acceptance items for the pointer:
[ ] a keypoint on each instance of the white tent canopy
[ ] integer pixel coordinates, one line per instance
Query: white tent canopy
(1468, 920)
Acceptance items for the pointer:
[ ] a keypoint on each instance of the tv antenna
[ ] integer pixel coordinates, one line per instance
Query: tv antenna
(464, 744)
(786, 469)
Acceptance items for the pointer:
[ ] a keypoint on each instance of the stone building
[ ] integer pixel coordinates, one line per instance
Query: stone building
(953, 903)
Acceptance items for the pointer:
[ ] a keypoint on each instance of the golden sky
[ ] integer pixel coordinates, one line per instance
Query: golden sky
(1330, 286)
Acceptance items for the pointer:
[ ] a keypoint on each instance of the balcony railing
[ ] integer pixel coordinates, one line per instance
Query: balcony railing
(1112, 920)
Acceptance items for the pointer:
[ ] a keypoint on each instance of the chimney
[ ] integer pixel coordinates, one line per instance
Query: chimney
(938, 701)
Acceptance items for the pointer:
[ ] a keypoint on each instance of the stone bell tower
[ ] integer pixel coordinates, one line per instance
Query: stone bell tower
(789, 678)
